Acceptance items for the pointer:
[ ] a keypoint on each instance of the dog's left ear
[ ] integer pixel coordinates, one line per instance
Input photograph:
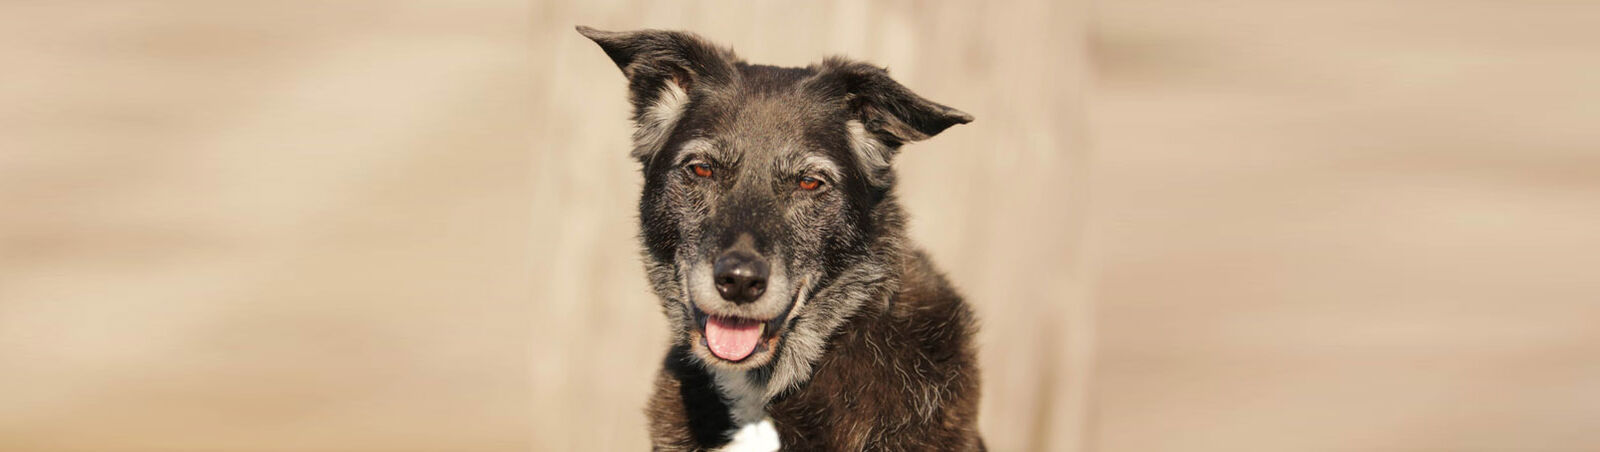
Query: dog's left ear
(887, 109)
(663, 68)
(883, 114)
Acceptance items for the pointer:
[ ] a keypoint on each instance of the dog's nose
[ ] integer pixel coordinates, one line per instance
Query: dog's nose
(741, 277)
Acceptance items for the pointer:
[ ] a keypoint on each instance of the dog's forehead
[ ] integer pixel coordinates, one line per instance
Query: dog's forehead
(766, 123)
(771, 116)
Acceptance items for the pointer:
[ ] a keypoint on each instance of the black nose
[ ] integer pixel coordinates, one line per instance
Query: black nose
(741, 277)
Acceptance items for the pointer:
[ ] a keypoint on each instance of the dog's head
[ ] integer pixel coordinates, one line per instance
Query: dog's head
(764, 188)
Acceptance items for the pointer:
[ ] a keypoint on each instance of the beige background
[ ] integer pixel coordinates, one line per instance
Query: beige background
(1346, 225)
(237, 226)
(377, 226)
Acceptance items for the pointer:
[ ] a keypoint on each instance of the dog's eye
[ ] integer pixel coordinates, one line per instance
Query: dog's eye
(809, 183)
(700, 169)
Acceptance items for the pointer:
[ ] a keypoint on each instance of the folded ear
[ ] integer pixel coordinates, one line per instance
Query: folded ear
(663, 68)
(886, 108)
(883, 114)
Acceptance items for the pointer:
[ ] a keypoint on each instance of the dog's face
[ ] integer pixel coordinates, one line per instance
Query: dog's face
(763, 187)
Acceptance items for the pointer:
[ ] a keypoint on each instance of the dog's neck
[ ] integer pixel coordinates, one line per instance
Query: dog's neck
(746, 393)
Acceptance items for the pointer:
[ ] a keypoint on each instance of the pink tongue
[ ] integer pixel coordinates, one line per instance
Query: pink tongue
(732, 340)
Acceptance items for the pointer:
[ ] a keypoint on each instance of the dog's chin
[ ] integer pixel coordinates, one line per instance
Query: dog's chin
(772, 332)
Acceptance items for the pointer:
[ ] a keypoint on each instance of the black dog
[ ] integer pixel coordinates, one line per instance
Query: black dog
(773, 238)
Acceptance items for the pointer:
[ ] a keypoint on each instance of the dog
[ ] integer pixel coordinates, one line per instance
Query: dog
(772, 236)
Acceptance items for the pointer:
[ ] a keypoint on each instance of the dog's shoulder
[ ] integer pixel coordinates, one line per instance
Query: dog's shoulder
(929, 314)
(901, 376)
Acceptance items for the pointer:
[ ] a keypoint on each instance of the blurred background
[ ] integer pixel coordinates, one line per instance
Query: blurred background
(236, 226)
(1187, 226)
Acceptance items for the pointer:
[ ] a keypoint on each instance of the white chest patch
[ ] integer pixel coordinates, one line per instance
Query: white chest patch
(757, 437)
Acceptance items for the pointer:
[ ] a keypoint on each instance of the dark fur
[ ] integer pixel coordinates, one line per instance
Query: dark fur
(871, 346)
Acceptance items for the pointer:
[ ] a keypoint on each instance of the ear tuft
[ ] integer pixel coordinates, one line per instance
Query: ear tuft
(883, 113)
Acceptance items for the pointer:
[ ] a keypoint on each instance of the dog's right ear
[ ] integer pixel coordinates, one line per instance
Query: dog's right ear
(663, 69)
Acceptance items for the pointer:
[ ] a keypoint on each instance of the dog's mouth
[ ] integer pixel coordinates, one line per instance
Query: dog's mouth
(739, 340)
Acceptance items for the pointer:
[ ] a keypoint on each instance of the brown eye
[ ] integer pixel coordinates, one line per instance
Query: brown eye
(701, 169)
(810, 183)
